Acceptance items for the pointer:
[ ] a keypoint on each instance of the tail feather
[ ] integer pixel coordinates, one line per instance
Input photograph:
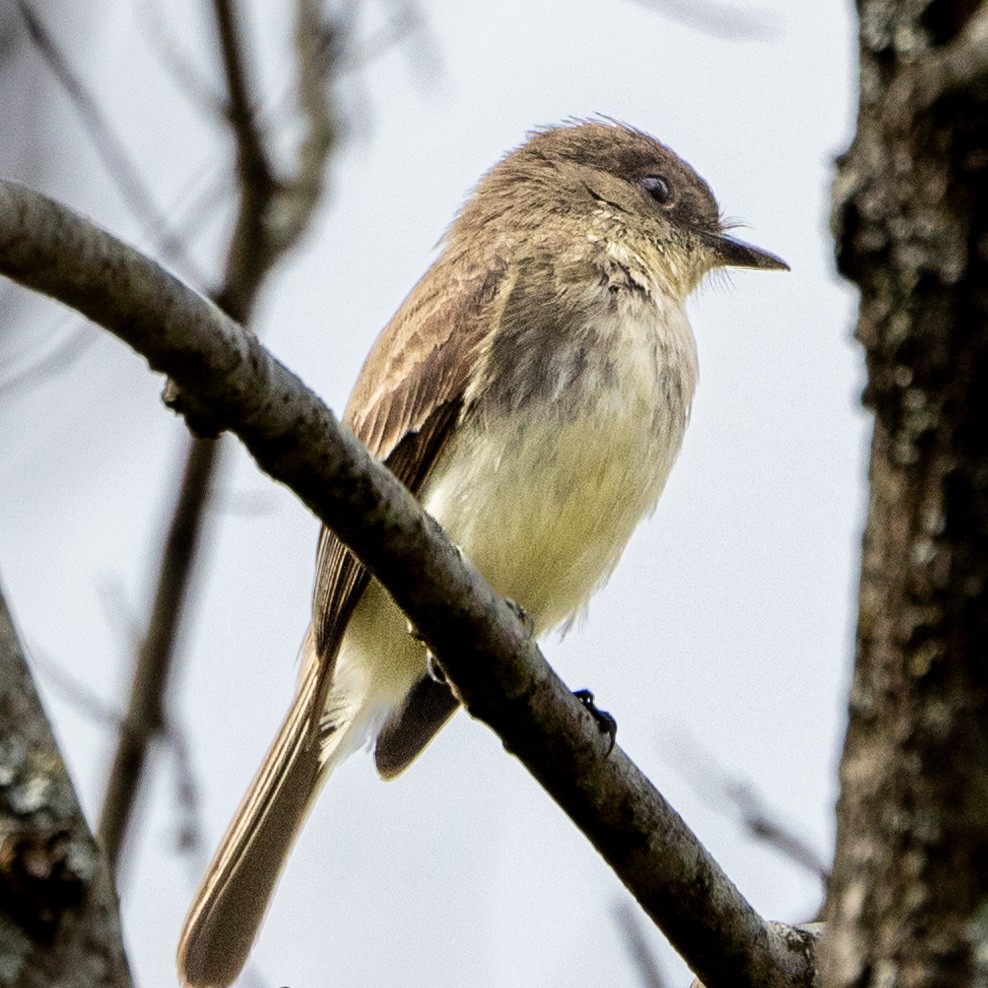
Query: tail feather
(233, 898)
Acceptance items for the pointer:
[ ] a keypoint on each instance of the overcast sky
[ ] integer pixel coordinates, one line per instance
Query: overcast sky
(726, 631)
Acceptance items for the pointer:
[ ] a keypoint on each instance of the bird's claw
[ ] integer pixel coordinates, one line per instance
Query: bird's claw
(605, 722)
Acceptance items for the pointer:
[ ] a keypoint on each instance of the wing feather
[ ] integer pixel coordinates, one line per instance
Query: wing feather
(410, 393)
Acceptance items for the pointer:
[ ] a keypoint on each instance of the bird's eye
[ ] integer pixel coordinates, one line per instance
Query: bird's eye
(658, 187)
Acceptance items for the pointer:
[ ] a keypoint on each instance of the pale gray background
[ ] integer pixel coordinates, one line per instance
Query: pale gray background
(728, 624)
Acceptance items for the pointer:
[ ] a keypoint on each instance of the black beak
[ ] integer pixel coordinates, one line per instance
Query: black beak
(736, 253)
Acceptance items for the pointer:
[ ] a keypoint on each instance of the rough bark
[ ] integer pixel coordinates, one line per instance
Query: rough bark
(59, 926)
(908, 897)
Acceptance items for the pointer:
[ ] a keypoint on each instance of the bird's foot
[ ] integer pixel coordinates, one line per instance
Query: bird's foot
(605, 722)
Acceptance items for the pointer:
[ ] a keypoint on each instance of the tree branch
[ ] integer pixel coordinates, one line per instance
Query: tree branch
(258, 241)
(116, 159)
(228, 381)
(719, 20)
(144, 719)
(907, 892)
(250, 246)
(58, 913)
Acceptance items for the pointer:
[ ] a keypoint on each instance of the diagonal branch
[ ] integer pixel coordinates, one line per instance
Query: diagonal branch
(251, 245)
(719, 20)
(229, 381)
(145, 717)
(316, 44)
(116, 158)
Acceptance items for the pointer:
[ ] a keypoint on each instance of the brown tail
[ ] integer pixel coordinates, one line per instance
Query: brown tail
(230, 904)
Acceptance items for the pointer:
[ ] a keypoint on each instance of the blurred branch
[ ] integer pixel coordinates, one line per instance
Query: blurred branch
(316, 44)
(144, 719)
(638, 947)
(59, 357)
(76, 694)
(227, 380)
(403, 21)
(188, 799)
(272, 216)
(211, 185)
(158, 35)
(58, 914)
(114, 155)
(720, 20)
(721, 791)
(251, 247)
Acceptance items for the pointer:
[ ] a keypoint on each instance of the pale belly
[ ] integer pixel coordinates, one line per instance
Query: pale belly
(545, 512)
(544, 515)
(543, 499)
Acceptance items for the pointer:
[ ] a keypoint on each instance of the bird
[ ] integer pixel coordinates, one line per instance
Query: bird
(532, 390)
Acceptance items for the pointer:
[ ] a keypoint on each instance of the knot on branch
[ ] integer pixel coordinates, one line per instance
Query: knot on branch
(202, 420)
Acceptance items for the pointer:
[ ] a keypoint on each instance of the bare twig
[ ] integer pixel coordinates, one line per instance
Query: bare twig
(114, 155)
(187, 796)
(639, 949)
(316, 46)
(120, 616)
(257, 242)
(197, 88)
(58, 914)
(403, 21)
(227, 380)
(59, 357)
(718, 19)
(212, 185)
(724, 792)
(251, 245)
(144, 719)
(75, 692)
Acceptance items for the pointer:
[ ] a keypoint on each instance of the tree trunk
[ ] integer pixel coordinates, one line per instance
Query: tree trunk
(58, 913)
(908, 897)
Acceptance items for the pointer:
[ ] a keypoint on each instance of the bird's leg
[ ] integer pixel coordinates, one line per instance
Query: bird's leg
(605, 722)
(434, 669)
(432, 666)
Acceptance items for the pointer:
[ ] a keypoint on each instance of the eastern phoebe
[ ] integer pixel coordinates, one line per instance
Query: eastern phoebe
(532, 390)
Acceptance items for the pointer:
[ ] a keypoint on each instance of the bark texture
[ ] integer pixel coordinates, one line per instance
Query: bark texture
(908, 897)
(59, 926)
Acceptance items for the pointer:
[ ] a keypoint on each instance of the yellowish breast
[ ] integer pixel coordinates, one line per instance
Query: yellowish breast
(544, 499)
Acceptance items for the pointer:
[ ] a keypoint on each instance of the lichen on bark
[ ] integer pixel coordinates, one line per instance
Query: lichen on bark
(911, 223)
(59, 924)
